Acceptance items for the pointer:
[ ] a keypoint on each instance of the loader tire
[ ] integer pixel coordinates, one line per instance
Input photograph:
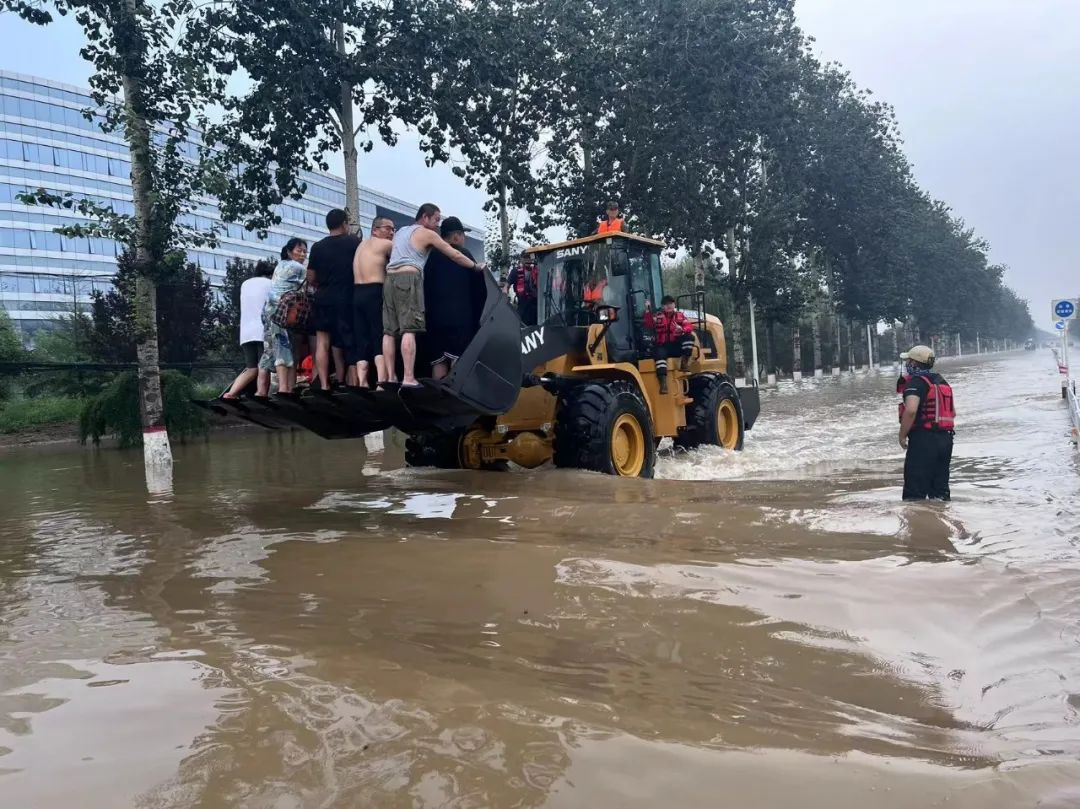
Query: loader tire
(715, 417)
(439, 450)
(605, 427)
(443, 451)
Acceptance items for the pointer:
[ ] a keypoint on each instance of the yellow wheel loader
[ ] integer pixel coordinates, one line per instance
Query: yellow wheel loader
(579, 389)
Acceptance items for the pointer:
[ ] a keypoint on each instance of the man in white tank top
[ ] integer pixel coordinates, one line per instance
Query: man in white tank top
(403, 291)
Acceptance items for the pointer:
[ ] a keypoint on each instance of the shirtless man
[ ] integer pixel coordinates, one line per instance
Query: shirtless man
(369, 275)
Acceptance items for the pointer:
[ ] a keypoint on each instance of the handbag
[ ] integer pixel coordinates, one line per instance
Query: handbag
(293, 310)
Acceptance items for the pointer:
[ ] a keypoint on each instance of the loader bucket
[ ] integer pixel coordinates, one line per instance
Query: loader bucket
(485, 381)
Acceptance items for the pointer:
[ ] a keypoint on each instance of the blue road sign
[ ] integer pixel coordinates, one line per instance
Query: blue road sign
(1064, 309)
(1060, 325)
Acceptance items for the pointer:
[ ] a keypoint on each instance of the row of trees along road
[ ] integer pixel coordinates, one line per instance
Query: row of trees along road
(711, 120)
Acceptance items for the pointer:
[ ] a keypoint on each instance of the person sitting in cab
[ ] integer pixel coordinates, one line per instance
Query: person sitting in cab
(612, 221)
(524, 280)
(674, 337)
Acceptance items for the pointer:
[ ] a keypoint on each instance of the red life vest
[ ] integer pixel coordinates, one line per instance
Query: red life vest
(527, 281)
(669, 328)
(936, 411)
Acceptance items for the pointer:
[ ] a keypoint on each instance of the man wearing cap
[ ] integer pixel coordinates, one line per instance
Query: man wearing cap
(612, 221)
(455, 300)
(927, 423)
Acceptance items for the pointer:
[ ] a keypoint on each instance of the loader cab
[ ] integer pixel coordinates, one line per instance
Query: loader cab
(579, 279)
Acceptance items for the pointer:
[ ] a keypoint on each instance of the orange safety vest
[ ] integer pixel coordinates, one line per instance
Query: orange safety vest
(594, 293)
(613, 226)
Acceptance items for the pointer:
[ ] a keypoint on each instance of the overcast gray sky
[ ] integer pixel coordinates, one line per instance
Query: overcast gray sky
(987, 93)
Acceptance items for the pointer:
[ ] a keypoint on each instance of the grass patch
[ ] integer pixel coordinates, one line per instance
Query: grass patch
(115, 411)
(25, 414)
(207, 390)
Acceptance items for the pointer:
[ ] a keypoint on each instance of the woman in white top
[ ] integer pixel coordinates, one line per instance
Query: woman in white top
(253, 295)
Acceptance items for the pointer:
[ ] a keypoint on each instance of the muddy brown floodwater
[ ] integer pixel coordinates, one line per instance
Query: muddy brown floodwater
(299, 625)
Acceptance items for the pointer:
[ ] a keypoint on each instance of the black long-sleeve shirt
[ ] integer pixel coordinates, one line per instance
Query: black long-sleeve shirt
(453, 295)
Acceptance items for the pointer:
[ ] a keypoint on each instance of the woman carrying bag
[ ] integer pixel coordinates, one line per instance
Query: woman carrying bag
(287, 308)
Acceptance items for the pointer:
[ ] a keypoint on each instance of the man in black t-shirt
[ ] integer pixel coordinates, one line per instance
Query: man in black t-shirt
(330, 266)
(455, 300)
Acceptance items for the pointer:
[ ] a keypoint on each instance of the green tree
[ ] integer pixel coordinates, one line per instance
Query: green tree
(11, 350)
(504, 97)
(150, 84)
(324, 76)
(11, 347)
(187, 317)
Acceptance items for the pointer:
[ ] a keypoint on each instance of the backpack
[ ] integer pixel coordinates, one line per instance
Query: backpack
(527, 281)
(293, 310)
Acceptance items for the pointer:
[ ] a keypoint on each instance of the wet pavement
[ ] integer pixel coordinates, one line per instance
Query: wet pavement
(300, 625)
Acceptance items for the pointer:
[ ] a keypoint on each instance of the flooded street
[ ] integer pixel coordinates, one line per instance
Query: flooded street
(300, 626)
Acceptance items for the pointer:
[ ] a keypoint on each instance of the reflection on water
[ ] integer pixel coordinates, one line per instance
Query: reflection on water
(301, 625)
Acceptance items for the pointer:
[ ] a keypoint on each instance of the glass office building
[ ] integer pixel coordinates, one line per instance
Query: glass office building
(45, 141)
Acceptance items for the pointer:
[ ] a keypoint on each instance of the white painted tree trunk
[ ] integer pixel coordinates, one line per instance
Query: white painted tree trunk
(796, 353)
(157, 453)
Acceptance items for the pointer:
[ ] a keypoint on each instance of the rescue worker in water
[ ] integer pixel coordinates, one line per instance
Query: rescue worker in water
(927, 422)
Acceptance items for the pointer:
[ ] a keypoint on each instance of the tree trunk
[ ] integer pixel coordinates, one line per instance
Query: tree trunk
(770, 359)
(157, 453)
(796, 351)
(850, 346)
(815, 331)
(838, 352)
(504, 230)
(737, 345)
(699, 270)
(736, 318)
(349, 152)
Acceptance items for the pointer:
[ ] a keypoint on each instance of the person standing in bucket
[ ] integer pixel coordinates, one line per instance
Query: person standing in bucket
(674, 337)
(403, 292)
(253, 294)
(330, 265)
(927, 425)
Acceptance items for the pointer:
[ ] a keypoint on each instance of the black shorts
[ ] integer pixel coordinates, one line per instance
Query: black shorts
(334, 316)
(447, 343)
(367, 322)
(252, 351)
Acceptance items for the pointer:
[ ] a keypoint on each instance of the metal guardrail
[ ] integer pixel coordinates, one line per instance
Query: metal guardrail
(20, 367)
(1069, 394)
(1074, 411)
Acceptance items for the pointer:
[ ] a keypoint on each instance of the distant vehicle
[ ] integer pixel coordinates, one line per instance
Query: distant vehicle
(1029, 345)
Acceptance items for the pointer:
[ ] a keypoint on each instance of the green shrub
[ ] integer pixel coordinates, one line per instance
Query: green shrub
(22, 414)
(115, 411)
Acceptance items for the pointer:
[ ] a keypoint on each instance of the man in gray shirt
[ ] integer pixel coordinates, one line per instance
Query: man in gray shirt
(403, 292)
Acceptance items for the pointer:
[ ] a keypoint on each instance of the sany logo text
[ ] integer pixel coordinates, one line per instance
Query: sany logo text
(531, 341)
(566, 252)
